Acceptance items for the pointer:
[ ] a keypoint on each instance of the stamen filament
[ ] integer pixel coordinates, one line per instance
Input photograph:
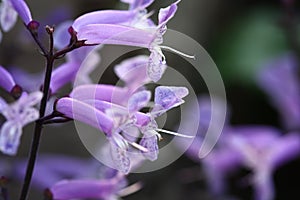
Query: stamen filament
(130, 189)
(178, 52)
(139, 147)
(174, 133)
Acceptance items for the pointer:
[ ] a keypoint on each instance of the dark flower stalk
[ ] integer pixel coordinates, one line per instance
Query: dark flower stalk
(50, 56)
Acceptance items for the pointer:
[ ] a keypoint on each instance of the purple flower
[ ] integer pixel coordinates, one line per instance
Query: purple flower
(280, 81)
(113, 119)
(70, 177)
(147, 37)
(260, 149)
(9, 9)
(17, 114)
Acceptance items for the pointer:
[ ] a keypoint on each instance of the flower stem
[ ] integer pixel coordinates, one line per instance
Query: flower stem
(39, 124)
(50, 56)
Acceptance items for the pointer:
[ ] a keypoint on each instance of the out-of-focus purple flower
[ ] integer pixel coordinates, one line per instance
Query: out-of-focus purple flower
(10, 9)
(80, 63)
(17, 114)
(260, 149)
(51, 169)
(280, 81)
(70, 178)
(205, 122)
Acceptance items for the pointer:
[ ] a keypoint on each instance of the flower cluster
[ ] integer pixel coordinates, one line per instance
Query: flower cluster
(115, 111)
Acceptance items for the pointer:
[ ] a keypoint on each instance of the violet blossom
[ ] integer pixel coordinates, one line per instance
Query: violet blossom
(261, 149)
(17, 114)
(121, 34)
(70, 177)
(280, 81)
(113, 119)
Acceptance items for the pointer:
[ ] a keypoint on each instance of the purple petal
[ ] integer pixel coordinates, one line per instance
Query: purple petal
(22, 9)
(142, 119)
(116, 34)
(150, 143)
(79, 55)
(280, 81)
(286, 149)
(10, 134)
(120, 158)
(102, 92)
(51, 169)
(138, 101)
(61, 34)
(75, 189)
(30, 82)
(3, 104)
(8, 16)
(63, 75)
(6, 80)
(263, 186)
(217, 165)
(165, 14)
(133, 72)
(104, 17)
(83, 112)
(168, 97)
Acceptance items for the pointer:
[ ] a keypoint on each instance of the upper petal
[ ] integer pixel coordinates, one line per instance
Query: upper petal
(133, 71)
(6, 80)
(63, 75)
(165, 14)
(116, 34)
(102, 92)
(104, 17)
(167, 98)
(138, 101)
(83, 112)
(22, 9)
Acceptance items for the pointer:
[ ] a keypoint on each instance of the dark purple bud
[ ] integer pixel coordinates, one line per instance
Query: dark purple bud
(73, 35)
(33, 26)
(48, 194)
(16, 91)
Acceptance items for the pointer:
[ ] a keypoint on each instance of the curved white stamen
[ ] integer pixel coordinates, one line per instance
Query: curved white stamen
(174, 133)
(148, 15)
(139, 147)
(130, 189)
(178, 52)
